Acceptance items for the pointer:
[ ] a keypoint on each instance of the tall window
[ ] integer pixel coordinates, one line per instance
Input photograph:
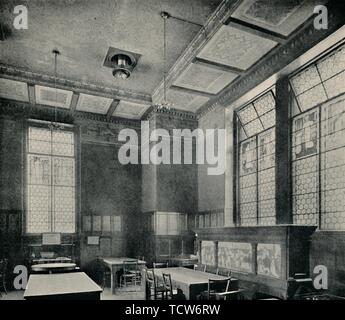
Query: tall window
(51, 199)
(256, 145)
(318, 143)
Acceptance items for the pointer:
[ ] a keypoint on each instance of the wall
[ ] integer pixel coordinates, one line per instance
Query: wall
(11, 201)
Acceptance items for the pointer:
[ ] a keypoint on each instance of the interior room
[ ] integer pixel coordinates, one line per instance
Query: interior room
(156, 150)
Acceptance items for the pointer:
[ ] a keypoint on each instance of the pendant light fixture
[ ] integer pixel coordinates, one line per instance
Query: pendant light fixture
(164, 104)
(54, 125)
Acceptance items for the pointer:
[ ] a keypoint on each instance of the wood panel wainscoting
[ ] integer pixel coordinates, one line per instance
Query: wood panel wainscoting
(264, 259)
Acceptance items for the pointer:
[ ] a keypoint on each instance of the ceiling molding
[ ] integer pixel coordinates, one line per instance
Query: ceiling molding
(112, 108)
(215, 21)
(152, 111)
(74, 101)
(32, 95)
(18, 74)
(218, 66)
(305, 38)
(25, 109)
(192, 91)
(255, 30)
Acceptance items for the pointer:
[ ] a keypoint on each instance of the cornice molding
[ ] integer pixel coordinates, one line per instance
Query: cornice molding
(27, 110)
(14, 73)
(305, 39)
(180, 114)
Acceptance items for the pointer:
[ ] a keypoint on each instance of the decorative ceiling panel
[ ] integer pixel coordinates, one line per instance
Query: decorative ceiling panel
(279, 16)
(130, 110)
(204, 78)
(84, 30)
(236, 48)
(15, 90)
(53, 97)
(93, 104)
(185, 101)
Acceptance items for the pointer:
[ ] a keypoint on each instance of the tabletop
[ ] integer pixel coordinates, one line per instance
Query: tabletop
(52, 266)
(188, 276)
(60, 283)
(120, 261)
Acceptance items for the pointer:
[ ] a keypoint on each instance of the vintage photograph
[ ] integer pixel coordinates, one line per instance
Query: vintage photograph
(188, 150)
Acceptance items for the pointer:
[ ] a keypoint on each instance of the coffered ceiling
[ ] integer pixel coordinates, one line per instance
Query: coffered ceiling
(83, 31)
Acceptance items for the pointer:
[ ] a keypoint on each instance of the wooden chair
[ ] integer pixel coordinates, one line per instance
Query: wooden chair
(152, 288)
(220, 290)
(131, 274)
(170, 292)
(3, 274)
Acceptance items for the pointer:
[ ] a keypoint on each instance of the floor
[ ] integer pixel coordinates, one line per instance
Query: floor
(121, 294)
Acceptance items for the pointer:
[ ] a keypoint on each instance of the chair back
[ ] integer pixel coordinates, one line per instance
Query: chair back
(130, 265)
(167, 281)
(217, 286)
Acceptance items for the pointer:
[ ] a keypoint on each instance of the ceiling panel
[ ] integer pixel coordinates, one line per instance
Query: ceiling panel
(204, 78)
(95, 104)
(53, 97)
(185, 101)
(236, 48)
(130, 110)
(280, 16)
(15, 90)
(83, 31)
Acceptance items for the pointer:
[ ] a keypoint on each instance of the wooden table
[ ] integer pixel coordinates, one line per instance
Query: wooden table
(53, 267)
(191, 282)
(62, 286)
(115, 265)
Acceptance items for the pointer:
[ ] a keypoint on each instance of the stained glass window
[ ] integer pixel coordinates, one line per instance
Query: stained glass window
(318, 146)
(50, 181)
(321, 81)
(256, 195)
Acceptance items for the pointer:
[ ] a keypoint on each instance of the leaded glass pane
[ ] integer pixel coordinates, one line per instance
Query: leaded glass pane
(266, 149)
(253, 128)
(305, 80)
(333, 165)
(39, 170)
(39, 140)
(305, 135)
(247, 114)
(248, 157)
(332, 64)
(38, 208)
(312, 97)
(269, 119)
(248, 184)
(64, 171)
(265, 104)
(335, 85)
(266, 177)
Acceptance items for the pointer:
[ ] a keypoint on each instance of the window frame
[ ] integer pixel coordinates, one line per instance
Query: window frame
(25, 147)
(318, 107)
(238, 126)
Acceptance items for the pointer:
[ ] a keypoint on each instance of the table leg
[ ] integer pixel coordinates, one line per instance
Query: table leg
(113, 280)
